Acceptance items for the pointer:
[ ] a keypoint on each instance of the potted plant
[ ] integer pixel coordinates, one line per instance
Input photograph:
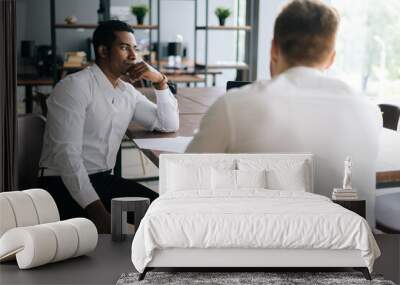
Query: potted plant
(139, 11)
(222, 13)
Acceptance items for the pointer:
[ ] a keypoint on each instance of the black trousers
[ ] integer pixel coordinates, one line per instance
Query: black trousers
(107, 186)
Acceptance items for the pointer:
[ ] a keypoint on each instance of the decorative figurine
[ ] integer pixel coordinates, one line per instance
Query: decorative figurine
(71, 20)
(347, 174)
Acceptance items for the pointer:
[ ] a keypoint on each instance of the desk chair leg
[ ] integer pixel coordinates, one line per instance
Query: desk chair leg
(214, 80)
(142, 161)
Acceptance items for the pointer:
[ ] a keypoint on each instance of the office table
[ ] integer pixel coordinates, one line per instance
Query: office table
(194, 102)
(28, 82)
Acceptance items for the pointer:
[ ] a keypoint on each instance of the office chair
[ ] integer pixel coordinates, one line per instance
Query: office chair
(391, 115)
(236, 84)
(30, 141)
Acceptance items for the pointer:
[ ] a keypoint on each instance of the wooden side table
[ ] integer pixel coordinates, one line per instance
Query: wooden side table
(119, 209)
(356, 206)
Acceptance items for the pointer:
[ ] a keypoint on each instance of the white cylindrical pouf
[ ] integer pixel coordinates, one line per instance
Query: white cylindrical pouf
(87, 235)
(23, 208)
(45, 205)
(7, 218)
(67, 239)
(34, 246)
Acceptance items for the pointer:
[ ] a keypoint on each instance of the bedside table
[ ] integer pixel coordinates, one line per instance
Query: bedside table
(356, 206)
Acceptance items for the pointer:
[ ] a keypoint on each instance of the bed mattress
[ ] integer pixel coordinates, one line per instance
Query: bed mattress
(251, 219)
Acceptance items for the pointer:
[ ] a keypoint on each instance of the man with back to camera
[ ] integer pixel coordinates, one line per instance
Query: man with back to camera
(300, 109)
(88, 115)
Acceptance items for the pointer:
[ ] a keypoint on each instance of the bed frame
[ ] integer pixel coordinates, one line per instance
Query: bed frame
(248, 259)
(260, 259)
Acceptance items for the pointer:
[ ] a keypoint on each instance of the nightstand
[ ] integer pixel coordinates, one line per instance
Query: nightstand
(119, 208)
(356, 206)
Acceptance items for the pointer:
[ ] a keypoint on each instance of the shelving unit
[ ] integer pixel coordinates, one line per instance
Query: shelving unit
(236, 64)
(106, 4)
(246, 28)
(197, 68)
(94, 26)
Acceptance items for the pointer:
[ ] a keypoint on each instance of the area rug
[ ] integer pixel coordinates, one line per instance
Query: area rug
(244, 278)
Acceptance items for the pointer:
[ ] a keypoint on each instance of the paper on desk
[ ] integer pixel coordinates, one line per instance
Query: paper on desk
(177, 145)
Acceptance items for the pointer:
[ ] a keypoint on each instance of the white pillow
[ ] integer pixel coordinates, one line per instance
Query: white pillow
(280, 174)
(182, 177)
(292, 178)
(223, 179)
(251, 178)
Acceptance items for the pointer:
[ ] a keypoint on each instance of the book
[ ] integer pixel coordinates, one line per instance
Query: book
(336, 196)
(345, 194)
(340, 190)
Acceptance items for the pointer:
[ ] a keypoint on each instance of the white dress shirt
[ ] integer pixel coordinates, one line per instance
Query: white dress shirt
(301, 110)
(87, 119)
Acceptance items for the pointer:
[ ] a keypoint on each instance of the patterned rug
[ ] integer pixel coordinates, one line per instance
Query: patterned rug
(243, 278)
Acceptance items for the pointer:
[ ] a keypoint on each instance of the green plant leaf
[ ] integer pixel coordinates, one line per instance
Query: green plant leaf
(222, 12)
(139, 10)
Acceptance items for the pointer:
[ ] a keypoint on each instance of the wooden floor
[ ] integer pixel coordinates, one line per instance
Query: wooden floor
(110, 259)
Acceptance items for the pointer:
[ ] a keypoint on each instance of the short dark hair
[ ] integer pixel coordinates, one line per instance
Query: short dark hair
(305, 31)
(104, 33)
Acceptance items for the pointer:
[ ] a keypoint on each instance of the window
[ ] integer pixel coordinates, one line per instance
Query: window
(368, 46)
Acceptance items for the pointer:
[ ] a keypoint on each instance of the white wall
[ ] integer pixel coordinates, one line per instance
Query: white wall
(267, 14)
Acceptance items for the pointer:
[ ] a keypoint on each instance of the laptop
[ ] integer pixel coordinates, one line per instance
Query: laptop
(236, 84)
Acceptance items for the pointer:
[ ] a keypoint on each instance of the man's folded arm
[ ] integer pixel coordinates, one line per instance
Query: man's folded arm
(163, 117)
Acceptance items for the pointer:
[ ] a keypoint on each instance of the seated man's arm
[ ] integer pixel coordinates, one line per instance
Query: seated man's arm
(214, 135)
(163, 116)
(65, 126)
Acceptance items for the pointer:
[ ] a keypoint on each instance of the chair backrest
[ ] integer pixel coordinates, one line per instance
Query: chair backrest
(236, 84)
(391, 115)
(30, 141)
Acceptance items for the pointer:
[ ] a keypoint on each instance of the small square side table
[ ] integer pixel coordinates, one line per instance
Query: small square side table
(120, 207)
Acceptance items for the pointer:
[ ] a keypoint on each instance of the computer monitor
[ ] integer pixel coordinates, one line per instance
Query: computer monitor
(236, 84)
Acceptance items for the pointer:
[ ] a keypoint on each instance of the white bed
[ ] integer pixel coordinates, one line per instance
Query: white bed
(201, 220)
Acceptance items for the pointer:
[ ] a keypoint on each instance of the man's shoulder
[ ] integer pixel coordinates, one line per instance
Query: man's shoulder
(338, 85)
(248, 92)
(77, 85)
(79, 79)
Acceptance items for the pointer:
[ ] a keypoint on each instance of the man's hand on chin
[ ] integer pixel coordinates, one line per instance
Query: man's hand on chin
(98, 214)
(142, 70)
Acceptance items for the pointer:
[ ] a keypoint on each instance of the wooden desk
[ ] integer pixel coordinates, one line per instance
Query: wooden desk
(29, 82)
(388, 164)
(183, 76)
(187, 75)
(194, 102)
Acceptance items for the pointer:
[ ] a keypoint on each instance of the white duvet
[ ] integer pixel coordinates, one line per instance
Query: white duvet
(250, 219)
